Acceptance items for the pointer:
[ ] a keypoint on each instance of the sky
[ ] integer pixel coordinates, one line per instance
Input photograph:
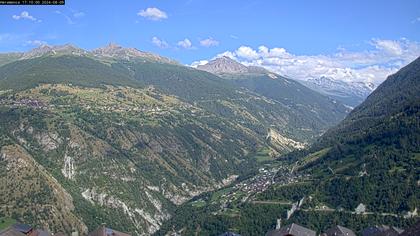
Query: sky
(358, 40)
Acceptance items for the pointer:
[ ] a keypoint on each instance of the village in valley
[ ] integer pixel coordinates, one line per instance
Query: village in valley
(280, 175)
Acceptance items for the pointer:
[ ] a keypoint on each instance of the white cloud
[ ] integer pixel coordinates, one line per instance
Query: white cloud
(68, 18)
(272, 53)
(209, 42)
(25, 16)
(416, 20)
(71, 15)
(186, 43)
(36, 42)
(153, 13)
(390, 46)
(5, 37)
(199, 63)
(13, 39)
(159, 42)
(78, 14)
(247, 53)
(229, 54)
(373, 65)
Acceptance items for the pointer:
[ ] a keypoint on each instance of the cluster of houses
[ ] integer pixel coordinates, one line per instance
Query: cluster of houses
(288, 230)
(27, 230)
(36, 104)
(33, 103)
(298, 230)
(259, 182)
(265, 179)
(338, 230)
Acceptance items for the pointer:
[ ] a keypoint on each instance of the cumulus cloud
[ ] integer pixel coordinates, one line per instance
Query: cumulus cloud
(199, 63)
(153, 13)
(25, 16)
(374, 65)
(159, 42)
(247, 53)
(186, 43)
(228, 54)
(209, 42)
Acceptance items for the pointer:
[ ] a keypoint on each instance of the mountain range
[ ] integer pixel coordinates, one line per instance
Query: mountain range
(123, 137)
(349, 93)
(364, 171)
(226, 65)
(377, 142)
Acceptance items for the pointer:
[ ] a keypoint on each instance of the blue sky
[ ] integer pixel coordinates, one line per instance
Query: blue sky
(192, 30)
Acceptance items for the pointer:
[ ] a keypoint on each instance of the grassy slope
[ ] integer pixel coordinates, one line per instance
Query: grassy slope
(82, 71)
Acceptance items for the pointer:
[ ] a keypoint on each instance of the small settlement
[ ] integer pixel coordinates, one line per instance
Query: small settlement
(27, 230)
(287, 230)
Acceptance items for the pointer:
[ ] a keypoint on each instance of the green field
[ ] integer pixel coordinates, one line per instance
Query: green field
(6, 222)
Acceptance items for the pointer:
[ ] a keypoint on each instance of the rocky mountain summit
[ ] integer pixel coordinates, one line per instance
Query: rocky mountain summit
(111, 51)
(226, 65)
(44, 50)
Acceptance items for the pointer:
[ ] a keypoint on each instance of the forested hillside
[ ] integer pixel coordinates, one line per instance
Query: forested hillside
(119, 132)
(370, 161)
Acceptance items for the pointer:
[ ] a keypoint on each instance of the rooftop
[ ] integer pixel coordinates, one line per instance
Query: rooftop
(11, 232)
(340, 231)
(293, 230)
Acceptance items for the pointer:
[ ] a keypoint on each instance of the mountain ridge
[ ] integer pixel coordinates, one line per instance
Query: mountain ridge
(110, 51)
(362, 172)
(349, 93)
(227, 65)
(130, 140)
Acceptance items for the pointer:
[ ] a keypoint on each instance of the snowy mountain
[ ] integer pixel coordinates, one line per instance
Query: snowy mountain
(349, 93)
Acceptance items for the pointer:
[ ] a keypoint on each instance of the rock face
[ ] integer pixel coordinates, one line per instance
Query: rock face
(137, 216)
(223, 65)
(110, 51)
(44, 50)
(226, 65)
(118, 52)
(282, 142)
(68, 168)
(48, 141)
(35, 190)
